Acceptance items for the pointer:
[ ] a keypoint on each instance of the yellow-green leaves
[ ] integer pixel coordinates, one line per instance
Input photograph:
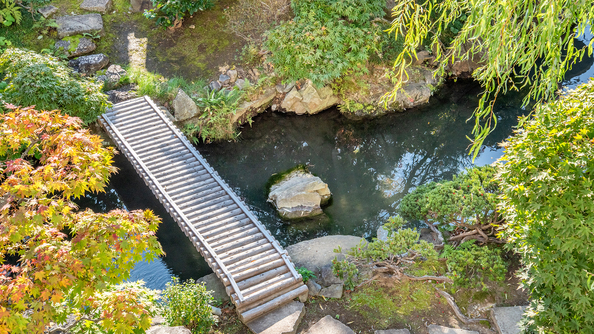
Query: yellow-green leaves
(547, 203)
(68, 261)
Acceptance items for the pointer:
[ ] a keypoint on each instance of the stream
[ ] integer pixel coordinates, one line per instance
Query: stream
(369, 166)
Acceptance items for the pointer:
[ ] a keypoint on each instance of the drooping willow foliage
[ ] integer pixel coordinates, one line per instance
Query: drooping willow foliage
(524, 44)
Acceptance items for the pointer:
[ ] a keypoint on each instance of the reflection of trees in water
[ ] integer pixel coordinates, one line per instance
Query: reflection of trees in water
(368, 165)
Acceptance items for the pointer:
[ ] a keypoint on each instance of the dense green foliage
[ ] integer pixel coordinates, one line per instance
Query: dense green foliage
(216, 107)
(529, 43)
(170, 13)
(400, 241)
(327, 39)
(467, 202)
(9, 12)
(187, 304)
(47, 83)
(471, 266)
(547, 202)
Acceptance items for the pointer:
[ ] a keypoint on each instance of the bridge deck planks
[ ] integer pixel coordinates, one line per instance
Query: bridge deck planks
(262, 277)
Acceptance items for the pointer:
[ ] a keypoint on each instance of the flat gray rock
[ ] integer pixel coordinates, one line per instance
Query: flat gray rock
(507, 318)
(101, 6)
(299, 194)
(328, 277)
(89, 64)
(329, 325)
(393, 331)
(168, 330)
(48, 11)
(435, 329)
(84, 46)
(316, 253)
(214, 284)
(79, 24)
(283, 320)
(333, 291)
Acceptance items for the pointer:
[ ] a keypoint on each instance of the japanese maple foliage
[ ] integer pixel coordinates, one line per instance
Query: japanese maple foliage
(55, 260)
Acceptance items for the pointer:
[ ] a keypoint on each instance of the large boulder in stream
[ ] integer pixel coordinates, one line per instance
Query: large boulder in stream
(299, 194)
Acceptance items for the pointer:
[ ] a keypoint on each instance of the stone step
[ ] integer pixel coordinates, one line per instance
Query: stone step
(283, 320)
(329, 325)
(507, 318)
(79, 24)
(435, 329)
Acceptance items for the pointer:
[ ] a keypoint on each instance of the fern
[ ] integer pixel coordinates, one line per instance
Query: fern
(9, 13)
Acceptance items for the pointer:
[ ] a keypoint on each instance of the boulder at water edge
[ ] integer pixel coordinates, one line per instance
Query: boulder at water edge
(299, 194)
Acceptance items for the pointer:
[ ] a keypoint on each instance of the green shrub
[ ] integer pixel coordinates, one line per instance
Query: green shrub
(170, 13)
(470, 266)
(306, 274)
(9, 13)
(346, 271)
(187, 304)
(468, 202)
(327, 39)
(217, 107)
(47, 83)
(547, 203)
(399, 241)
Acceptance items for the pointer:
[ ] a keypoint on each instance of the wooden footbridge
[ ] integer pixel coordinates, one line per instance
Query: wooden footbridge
(255, 269)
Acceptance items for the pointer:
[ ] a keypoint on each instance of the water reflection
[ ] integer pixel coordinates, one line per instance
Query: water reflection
(369, 166)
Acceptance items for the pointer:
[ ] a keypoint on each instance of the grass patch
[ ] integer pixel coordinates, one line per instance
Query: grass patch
(24, 35)
(383, 305)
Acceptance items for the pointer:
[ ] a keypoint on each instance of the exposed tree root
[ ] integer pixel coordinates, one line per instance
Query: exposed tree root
(456, 309)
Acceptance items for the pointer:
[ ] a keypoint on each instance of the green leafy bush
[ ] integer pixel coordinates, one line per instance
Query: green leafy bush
(187, 304)
(399, 241)
(468, 202)
(327, 39)
(9, 13)
(217, 107)
(346, 271)
(46, 82)
(547, 203)
(470, 266)
(170, 13)
(306, 274)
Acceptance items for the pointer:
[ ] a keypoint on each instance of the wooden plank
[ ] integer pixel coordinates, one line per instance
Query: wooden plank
(145, 127)
(170, 144)
(134, 124)
(212, 212)
(190, 164)
(239, 243)
(123, 105)
(216, 217)
(134, 112)
(213, 231)
(206, 194)
(183, 172)
(197, 181)
(230, 234)
(247, 262)
(267, 288)
(154, 135)
(266, 276)
(195, 193)
(192, 189)
(243, 250)
(206, 229)
(250, 253)
(165, 164)
(261, 268)
(284, 298)
(211, 195)
(209, 207)
(158, 158)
